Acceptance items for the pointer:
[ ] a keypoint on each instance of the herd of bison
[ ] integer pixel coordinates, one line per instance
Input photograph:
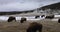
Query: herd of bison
(34, 26)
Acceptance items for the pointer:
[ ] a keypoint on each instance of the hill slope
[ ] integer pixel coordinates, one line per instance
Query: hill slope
(52, 6)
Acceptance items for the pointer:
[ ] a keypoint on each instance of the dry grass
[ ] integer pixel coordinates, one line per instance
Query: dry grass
(48, 26)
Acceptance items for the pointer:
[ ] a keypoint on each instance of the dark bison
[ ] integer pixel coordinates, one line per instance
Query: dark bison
(37, 16)
(22, 20)
(42, 15)
(58, 20)
(11, 18)
(49, 17)
(34, 27)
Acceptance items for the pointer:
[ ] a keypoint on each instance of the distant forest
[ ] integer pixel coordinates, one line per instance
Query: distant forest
(15, 12)
(51, 6)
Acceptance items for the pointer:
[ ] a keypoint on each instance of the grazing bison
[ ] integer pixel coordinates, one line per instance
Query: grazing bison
(34, 27)
(37, 16)
(22, 20)
(58, 20)
(42, 15)
(49, 17)
(11, 18)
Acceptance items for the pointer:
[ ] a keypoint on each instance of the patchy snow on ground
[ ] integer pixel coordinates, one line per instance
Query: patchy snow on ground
(5, 18)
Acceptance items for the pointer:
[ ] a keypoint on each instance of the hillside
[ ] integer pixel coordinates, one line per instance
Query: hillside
(51, 9)
(52, 6)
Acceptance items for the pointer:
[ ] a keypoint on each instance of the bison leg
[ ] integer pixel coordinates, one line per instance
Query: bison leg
(9, 20)
(40, 29)
(30, 29)
(21, 21)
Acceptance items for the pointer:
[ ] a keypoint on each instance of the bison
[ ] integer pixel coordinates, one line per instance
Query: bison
(49, 17)
(11, 18)
(42, 15)
(34, 27)
(37, 16)
(22, 20)
(58, 20)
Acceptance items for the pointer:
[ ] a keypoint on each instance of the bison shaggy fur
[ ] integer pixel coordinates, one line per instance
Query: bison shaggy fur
(42, 15)
(49, 17)
(58, 20)
(11, 18)
(37, 16)
(34, 27)
(22, 20)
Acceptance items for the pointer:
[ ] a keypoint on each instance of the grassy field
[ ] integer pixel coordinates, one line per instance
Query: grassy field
(48, 26)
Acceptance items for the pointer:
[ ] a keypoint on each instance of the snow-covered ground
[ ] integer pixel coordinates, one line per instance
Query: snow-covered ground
(5, 18)
(19, 18)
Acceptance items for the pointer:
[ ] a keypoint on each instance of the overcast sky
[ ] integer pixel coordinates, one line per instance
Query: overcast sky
(22, 5)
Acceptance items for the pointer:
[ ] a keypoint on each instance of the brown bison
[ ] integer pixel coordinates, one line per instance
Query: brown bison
(22, 20)
(11, 18)
(49, 17)
(34, 27)
(37, 16)
(58, 20)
